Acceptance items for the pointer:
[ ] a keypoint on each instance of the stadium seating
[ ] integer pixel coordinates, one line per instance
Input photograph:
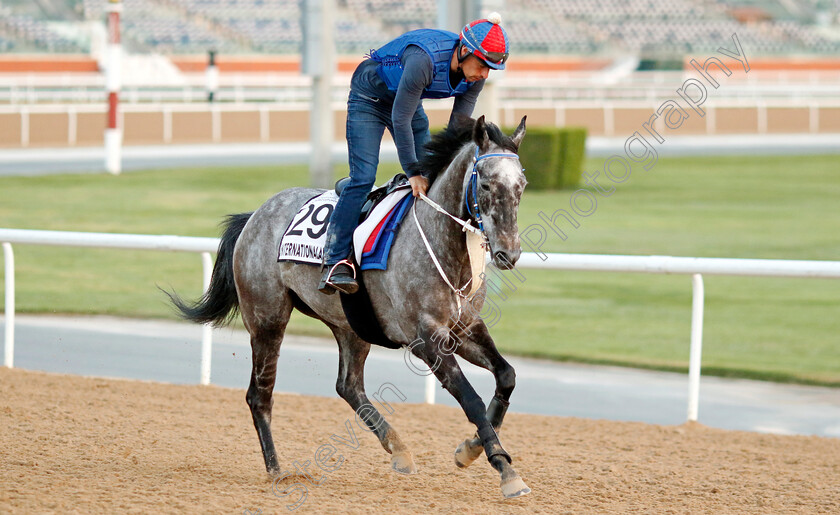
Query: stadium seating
(264, 25)
(32, 34)
(163, 27)
(622, 9)
(6, 45)
(654, 27)
(400, 15)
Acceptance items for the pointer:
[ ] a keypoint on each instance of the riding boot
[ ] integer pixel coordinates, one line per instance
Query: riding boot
(339, 277)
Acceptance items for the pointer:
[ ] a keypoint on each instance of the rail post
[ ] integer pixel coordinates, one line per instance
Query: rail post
(211, 76)
(430, 388)
(696, 351)
(113, 82)
(207, 329)
(9, 257)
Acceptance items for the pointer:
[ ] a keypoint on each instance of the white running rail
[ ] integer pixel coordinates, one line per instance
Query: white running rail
(104, 240)
(689, 266)
(580, 262)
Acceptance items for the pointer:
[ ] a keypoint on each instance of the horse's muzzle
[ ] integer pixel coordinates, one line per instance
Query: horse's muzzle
(506, 260)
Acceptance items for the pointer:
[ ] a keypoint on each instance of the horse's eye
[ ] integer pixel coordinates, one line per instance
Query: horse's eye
(485, 186)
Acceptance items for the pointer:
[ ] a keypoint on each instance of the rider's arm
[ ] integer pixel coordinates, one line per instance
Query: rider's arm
(465, 103)
(417, 74)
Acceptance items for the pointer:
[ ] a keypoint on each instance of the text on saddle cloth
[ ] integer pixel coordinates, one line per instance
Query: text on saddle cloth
(304, 239)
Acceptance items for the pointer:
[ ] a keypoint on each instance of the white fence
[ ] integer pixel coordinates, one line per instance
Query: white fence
(580, 262)
(688, 266)
(558, 86)
(102, 240)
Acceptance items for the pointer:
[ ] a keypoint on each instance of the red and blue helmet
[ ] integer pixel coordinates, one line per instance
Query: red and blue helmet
(487, 40)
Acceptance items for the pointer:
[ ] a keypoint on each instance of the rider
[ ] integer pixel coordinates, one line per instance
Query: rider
(386, 92)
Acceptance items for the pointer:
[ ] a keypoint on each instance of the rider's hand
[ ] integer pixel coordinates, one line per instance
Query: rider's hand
(419, 184)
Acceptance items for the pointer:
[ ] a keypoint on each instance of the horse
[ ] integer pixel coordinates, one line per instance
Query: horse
(475, 175)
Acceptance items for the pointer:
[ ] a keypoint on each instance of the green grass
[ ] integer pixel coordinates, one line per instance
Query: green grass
(745, 207)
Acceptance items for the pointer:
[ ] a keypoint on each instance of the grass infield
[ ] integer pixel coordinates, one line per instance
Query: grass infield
(737, 207)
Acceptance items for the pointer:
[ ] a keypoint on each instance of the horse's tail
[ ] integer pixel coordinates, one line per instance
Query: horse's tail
(219, 304)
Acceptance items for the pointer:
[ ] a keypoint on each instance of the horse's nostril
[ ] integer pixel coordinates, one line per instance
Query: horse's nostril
(505, 260)
(502, 258)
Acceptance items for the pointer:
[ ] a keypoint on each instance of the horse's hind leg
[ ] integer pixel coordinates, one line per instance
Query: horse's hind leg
(353, 352)
(477, 347)
(266, 337)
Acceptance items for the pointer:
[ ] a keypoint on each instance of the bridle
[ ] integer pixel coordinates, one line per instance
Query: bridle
(470, 193)
(472, 186)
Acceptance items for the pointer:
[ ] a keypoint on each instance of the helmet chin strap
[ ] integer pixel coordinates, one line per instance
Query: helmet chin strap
(461, 57)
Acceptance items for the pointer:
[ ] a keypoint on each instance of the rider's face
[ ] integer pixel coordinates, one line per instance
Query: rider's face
(474, 69)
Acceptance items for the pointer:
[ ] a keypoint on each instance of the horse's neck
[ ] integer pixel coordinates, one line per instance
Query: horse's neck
(448, 188)
(445, 235)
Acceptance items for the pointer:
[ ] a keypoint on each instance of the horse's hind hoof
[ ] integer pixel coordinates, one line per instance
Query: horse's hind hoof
(403, 463)
(467, 453)
(514, 487)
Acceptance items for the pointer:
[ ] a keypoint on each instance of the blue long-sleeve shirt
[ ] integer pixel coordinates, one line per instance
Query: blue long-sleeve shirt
(418, 72)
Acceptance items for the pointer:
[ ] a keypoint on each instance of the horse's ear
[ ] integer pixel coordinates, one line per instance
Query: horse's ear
(519, 133)
(480, 134)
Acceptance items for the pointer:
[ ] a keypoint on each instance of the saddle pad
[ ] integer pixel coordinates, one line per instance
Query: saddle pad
(304, 240)
(377, 215)
(378, 247)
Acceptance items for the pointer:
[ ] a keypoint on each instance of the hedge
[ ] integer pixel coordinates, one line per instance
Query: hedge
(552, 157)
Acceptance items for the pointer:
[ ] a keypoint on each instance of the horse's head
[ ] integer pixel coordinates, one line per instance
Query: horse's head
(499, 183)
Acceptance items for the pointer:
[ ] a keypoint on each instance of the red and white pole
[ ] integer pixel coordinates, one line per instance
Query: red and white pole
(113, 133)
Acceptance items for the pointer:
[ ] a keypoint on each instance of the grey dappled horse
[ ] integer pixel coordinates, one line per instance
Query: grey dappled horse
(410, 298)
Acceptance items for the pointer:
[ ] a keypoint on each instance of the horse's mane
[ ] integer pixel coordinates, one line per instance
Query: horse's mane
(444, 145)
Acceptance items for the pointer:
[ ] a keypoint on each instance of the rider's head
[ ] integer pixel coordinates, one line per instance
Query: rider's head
(486, 40)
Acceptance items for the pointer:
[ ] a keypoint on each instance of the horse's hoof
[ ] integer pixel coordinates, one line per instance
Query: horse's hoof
(514, 487)
(467, 453)
(403, 463)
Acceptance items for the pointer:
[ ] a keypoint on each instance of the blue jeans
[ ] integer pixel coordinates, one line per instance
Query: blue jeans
(367, 119)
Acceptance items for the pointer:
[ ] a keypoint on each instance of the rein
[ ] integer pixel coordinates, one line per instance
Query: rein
(476, 238)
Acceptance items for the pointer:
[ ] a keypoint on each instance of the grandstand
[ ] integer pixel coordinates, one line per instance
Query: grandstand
(660, 28)
(22, 30)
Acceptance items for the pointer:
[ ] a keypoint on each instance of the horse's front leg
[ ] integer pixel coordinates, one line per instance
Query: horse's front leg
(452, 379)
(475, 345)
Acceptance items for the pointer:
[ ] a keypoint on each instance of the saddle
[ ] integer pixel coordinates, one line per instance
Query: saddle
(377, 194)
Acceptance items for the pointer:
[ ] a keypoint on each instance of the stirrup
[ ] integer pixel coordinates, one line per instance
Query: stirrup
(343, 262)
(328, 287)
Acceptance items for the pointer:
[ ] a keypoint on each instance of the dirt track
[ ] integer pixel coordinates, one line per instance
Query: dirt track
(73, 444)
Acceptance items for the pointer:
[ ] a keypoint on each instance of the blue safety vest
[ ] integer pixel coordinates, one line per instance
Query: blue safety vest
(439, 44)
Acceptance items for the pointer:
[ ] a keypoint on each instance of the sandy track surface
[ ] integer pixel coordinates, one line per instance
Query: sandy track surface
(74, 444)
